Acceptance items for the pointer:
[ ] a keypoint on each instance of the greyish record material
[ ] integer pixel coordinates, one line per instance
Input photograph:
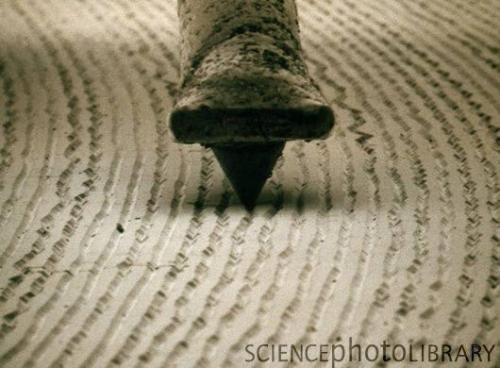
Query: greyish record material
(245, 87)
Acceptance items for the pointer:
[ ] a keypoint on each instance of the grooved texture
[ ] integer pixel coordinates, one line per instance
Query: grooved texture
(119, 247)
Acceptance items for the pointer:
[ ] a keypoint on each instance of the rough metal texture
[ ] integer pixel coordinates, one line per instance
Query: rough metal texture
(243, 75)
(121, 248)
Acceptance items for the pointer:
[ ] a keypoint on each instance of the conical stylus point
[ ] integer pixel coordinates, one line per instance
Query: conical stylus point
(248, 166)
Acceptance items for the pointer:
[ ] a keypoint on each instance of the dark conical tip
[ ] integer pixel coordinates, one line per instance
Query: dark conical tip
(248, 166)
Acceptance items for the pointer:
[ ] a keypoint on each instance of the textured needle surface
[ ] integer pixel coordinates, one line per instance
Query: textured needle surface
(244, 83)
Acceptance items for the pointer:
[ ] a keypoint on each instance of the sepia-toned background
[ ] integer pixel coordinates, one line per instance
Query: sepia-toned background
(120, 247)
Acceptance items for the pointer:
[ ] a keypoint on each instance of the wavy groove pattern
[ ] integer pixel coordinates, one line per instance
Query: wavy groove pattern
(119, 247)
